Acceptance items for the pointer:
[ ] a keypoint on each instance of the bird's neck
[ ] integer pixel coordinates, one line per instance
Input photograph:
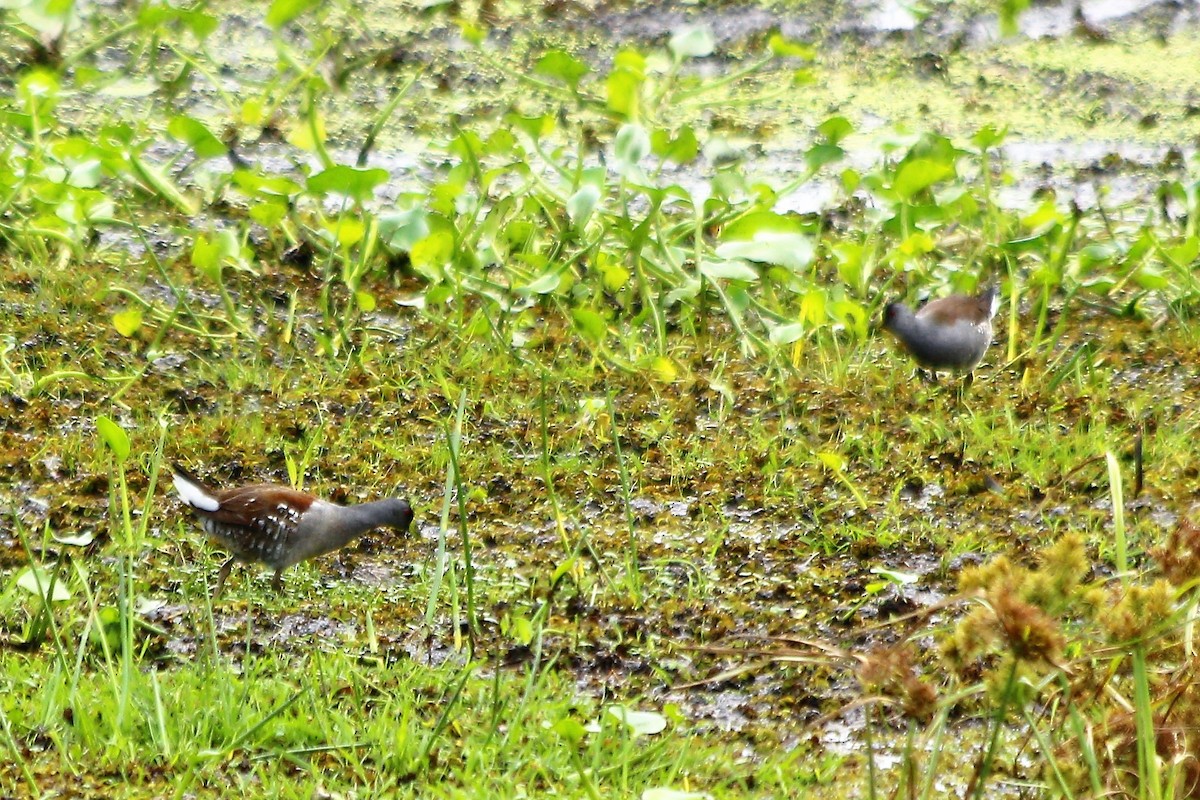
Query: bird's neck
(327, 527)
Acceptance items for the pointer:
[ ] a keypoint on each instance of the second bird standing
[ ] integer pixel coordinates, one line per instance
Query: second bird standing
(950, 334)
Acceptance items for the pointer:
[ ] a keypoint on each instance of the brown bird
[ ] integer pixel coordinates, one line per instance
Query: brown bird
(950, 334)
(280, 526)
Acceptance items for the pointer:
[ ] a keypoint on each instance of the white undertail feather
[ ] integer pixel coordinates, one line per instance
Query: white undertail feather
(194, 495)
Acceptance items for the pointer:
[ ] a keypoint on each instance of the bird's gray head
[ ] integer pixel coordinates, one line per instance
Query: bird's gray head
(892, 312)
(398, 514)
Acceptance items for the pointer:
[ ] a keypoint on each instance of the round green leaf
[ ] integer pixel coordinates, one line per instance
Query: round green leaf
(282, 12)
(692, 41)
(643, 723)
(36, 581)
(590, 324)
(729, 270)
(127, 322)
(920, 174)
(356, 183)
(791, 250)
(197, 136)
(582, 203)
(562, 65)
(631, 146)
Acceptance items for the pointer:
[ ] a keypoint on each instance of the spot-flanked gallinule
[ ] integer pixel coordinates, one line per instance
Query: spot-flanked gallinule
(950, 334)
(280, 526)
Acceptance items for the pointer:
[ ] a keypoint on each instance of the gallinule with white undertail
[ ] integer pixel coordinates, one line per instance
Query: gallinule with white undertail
(280, 526)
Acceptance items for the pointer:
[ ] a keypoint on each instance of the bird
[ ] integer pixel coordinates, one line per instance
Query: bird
(949, 334)
(281, 526)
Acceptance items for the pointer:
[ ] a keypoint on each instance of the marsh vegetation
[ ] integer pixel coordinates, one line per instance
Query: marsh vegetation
(595, 286)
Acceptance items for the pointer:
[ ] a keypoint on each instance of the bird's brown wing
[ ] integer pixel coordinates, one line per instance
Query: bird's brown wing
(956, 308)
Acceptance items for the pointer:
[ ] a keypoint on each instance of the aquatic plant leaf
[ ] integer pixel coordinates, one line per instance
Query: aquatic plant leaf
(730, 269)
(282, 12)
(114, 436)
(835, 128)
(691, 41)
(562, 65)
(590, 324)
(787, 333)
(127, 322)
(152, 17)
(664, 369)
(365, 300)
(989, 136)
(624, 82)
(819, 155)
(791, 250)
(543, 284)
(642, 723)
(630, 146)
(570, 730)
(82, 540)
(682, 149)
(581, 204)
(270, 185)
(789, 48)
(196, 135)
(919, 174)
(400, 230)
(534, 127)
(356, 183)
(36, 581)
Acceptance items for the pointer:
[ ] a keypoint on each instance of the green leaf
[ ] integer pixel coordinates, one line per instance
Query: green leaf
(365, 300)
(127, 322)
(272, 186)
(624, 82)
(681, 149)
(692, 41)
(36, 581)
(988, 136)
(562, 65)
(896, 576)
(790, 49)
(356, 183)
(582, 203)
(400, 230)
(787, 333)
(543, 284)
(197, 136)
(642, 723)
(786, 248)
(114, 436)
(282, 12)
(919, 174)
(631, 145)
(268, 213)
(835, 129)
(534, 127)
(590, 324)
(729, 270)
(570, 730)
(821, 154)
(832, 461)
(82, 540)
